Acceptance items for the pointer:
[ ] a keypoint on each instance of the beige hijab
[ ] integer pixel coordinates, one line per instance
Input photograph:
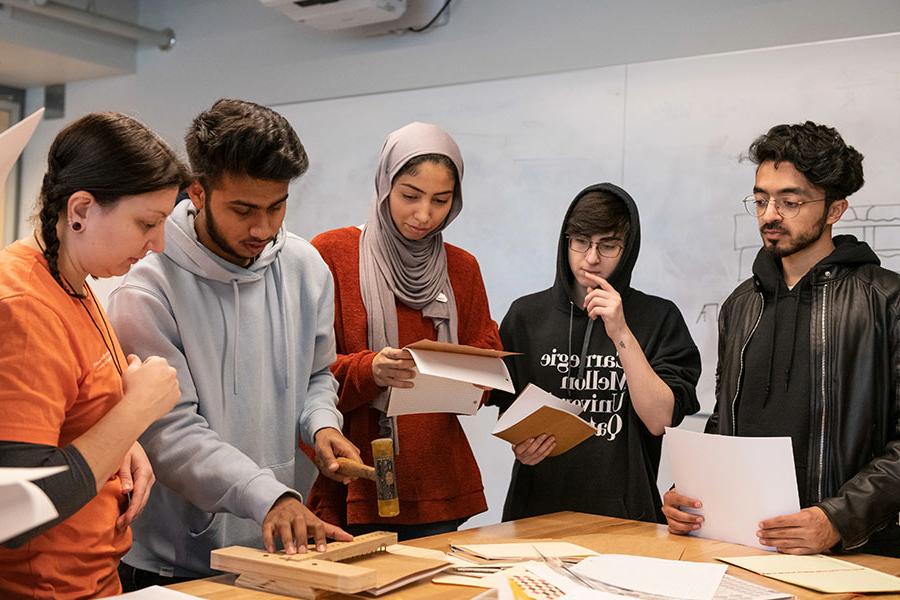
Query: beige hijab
(392, 267)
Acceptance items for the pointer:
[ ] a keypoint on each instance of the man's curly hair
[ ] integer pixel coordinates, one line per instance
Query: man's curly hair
(815, 150)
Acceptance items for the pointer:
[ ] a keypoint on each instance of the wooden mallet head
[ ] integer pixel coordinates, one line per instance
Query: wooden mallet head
(382, 474)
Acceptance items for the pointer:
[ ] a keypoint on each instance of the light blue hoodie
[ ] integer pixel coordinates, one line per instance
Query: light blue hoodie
(252, 347)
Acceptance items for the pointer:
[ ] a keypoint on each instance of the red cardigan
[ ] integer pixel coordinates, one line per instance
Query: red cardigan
(437, 476)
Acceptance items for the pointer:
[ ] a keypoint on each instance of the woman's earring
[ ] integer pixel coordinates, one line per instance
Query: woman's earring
(76, 226)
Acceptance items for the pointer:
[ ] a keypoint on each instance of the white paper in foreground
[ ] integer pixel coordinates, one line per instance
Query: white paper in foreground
(23, 505)
(445, 383)
(674, 578)
(156, 592)
(740, 481)
(13, 141)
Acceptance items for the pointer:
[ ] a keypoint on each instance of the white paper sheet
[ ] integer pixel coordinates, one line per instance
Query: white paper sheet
(740, 481)
(13, 141)
(23, 505)
(156, 593)
(673, 578)
(524, 550)
(445, 383)
(531, 399)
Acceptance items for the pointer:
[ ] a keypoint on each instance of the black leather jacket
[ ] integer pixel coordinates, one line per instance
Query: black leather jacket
(854, 453)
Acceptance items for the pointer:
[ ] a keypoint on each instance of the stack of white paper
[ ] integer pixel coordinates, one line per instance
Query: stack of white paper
(673, 578)
(23, 505)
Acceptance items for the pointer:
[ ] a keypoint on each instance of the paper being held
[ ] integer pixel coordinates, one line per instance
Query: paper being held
(23, 505)
(13, 141)
(446, 379)
(741, 481)
(536, 411)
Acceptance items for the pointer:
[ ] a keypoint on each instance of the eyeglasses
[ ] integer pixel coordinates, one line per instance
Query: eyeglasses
(786, 207)
(605, 248)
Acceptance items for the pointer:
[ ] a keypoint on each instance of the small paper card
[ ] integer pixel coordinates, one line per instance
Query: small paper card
(535, 412)
(821, 573)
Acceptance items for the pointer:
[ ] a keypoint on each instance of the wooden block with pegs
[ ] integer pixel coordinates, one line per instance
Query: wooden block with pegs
(304, 575)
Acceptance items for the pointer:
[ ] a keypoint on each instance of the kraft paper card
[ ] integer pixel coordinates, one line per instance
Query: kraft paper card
(817, 572)
(535, 412)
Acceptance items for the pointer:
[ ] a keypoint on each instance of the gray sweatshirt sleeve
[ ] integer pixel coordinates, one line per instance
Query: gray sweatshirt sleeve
(320, 405)
(188, 456)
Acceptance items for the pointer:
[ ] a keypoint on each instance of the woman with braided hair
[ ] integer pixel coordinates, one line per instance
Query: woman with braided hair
(68, 395)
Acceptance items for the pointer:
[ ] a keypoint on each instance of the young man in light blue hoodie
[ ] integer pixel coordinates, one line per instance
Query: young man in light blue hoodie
(245, 312)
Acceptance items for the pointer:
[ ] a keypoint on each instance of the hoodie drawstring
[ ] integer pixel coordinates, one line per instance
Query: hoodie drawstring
(773, 320)
(237, 332)
(282, 359)
(584, 347)
(787, 371)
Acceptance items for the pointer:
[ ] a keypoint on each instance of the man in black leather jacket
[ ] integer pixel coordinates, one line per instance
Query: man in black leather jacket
(809, 347)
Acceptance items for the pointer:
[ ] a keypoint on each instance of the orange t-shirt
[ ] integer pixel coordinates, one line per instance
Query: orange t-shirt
(57, 379)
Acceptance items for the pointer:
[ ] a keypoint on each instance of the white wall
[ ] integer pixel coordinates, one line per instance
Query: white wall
(240, 49)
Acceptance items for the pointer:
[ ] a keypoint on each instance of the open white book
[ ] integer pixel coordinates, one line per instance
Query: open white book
(447, 378)
(535, 412)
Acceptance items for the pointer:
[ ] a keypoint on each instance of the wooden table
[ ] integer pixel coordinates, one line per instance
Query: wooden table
(557, 525)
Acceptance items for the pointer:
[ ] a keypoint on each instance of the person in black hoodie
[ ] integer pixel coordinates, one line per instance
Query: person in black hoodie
(625, 357)
(809, 347)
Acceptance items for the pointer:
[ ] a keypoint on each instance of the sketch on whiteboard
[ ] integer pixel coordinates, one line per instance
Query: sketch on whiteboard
(876, 224)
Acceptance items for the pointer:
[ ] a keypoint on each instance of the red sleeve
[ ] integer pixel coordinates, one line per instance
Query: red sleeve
(38, 372)
(352, 370)
(476, 327)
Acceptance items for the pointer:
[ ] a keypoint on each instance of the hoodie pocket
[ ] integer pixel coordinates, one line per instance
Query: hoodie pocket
(201, 523)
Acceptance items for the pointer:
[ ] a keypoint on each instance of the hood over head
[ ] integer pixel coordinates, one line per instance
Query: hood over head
(564, 285)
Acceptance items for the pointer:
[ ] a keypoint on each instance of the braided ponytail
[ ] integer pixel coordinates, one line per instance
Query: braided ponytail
(108, 155)
(49, 216)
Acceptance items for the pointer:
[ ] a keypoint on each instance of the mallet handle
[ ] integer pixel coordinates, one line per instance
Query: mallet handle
(354, 469)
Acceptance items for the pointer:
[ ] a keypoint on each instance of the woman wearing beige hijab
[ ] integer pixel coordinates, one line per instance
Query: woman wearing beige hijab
(397, 282)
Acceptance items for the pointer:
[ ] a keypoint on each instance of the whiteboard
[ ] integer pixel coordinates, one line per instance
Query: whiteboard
(670, 132)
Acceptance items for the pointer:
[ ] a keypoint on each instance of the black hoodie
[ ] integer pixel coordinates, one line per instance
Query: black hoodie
(613, 473)
(776, 390)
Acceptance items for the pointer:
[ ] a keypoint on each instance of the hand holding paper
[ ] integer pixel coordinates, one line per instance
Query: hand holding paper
(449, 378)
(394, 367)
(741, 482)
(537, 413)
(806, 532)
(681, 521)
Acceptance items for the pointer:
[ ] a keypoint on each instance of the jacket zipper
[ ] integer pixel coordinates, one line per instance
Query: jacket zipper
(822, 436)
(737, 390)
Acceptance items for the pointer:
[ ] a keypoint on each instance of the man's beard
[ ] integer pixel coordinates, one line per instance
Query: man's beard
(787, 246)
(216, 236)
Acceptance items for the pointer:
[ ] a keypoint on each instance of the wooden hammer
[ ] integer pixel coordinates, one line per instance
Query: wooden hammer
(382, 474)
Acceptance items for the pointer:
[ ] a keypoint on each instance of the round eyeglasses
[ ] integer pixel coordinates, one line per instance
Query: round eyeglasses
(605, 248)
(786, 207)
